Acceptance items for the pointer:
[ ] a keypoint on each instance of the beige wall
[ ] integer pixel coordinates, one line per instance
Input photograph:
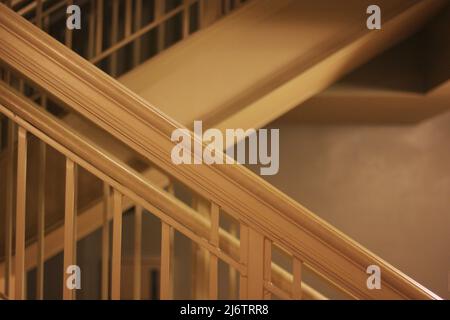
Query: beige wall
(388, 187)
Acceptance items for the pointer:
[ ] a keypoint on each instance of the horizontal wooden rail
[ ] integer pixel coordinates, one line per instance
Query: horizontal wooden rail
(83, 88)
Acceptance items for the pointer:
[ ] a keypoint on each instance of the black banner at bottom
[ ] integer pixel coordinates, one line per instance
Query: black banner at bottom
(181, 309)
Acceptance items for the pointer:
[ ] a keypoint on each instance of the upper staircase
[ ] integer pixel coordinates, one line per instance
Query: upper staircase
(122, 142)
(268, 57)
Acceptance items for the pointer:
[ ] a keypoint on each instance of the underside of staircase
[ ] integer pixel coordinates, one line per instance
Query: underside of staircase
(267, 58)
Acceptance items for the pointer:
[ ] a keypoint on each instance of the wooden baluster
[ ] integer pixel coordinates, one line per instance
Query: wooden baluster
(171, 190)
(213, 260)
(160, 9)
(117, 245)
(44, 101)
(42, 154)
(137, 27)
(166, 284)
(22, 151)
(297, 274)
(114, 37)
(137, 252)
(45, 22)
(210, 11)
(200, 261)
(9, 206)
(91, 30)
(39, 13)
(105, 241)
(128, 17)
(186, 18)
(226, 6)
(99, 28)
(41, 221)
(22, 86)
(232, 272)
(243, 279)
(75, 238)
(69, 32)
(70, 245)
(201, 13)
(255, 265)
(267, 266)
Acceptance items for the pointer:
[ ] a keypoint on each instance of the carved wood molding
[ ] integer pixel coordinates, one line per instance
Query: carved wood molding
(98, 97)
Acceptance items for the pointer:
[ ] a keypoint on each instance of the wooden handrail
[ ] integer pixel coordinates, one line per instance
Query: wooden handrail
(88, 91)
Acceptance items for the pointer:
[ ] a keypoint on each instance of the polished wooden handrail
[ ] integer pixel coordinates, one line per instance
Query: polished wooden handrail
(254, 202)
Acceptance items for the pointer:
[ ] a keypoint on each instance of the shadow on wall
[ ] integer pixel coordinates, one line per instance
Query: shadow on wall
(387, 187)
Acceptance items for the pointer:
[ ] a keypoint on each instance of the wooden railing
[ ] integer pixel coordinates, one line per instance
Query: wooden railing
(18, 106)
(267, 219)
